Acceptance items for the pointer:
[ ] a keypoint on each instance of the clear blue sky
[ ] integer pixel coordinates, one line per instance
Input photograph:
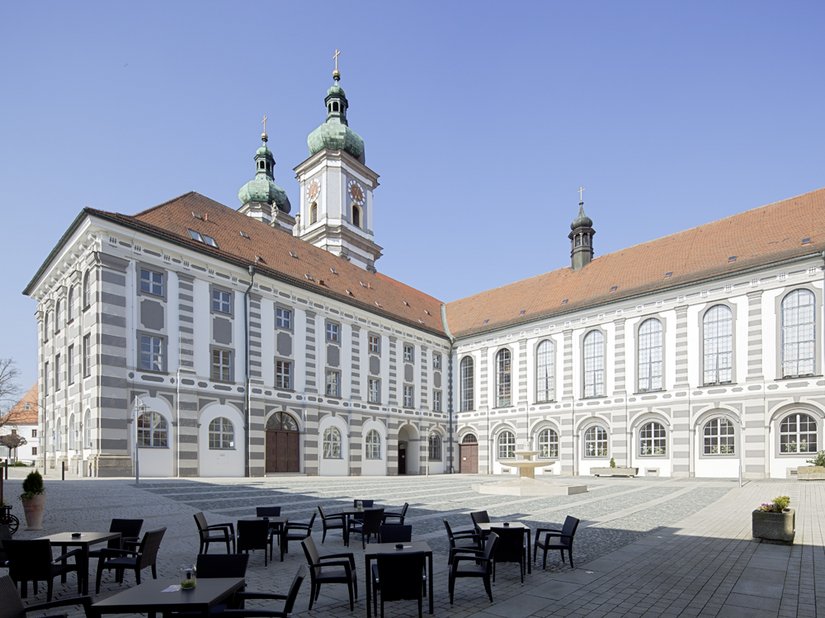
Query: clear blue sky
(482, 118)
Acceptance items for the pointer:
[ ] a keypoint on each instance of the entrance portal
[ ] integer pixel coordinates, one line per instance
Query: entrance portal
(402, 458)
(282, 444)
(468, 455)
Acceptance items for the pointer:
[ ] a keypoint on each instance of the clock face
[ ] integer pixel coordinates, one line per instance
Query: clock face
(356, 192)
(313, 190)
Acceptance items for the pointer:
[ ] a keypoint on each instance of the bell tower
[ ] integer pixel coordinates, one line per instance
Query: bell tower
(581, 237)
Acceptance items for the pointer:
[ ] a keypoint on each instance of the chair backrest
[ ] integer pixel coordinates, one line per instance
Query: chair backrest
(480, 517)
(222, 565)
(11, 606)
(395, 533)
(310, 551)
(401, 575)
(253, 534)
(200, 521)
(268, 511)
(404, 509)
(372, 520)
(362, 503)
(149, 546)
(29, 559)
(321, 511)
(299, 578)
(511, 544)
(568, 529)
(490, 548)
(129, 531)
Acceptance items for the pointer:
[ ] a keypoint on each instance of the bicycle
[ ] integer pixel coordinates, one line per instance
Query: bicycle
(7, 519)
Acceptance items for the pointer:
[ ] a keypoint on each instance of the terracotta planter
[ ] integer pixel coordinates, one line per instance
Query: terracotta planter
(774, 527)
(34, 508)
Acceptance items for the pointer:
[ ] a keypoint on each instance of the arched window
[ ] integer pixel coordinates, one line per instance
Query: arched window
(356, 216)
(434, 450)
(152, 431)
(652, 440)
(650, 355)
(717, 337)
(70, 305)
(503, 377)
(332, 443)
(593, 359)
(87, 292)
(313, 213)
(545, 371)
(72, 433)
(548, 444)
(467, 386)
(595, 441)
(281, 421)
(87, 429)
(798, 334)
(719, 437)
(506, 445)
(372, 445)
(797, 434)
(470, 438)
(58, 435)
(221, 434)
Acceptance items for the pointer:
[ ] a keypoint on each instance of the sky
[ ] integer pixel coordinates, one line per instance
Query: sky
(482, 119)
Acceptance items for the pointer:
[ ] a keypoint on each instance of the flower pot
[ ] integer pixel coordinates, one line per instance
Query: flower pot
(774, 527)
(34, 508)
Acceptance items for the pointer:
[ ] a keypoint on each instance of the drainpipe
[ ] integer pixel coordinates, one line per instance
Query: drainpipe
(446, 326)
(248, 395)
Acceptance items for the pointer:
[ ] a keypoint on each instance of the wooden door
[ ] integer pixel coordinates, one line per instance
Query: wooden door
(468, 458)
(282, 453)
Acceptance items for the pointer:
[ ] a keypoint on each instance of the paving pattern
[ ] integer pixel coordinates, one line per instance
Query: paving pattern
(645, 546)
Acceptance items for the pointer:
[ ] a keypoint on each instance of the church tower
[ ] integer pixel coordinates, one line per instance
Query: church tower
(581, 237)
(336, 212)
(261, 198)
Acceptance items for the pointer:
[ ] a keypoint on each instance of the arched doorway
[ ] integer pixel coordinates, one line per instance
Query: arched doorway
(282, 444)
(409, 456)
(468, 454)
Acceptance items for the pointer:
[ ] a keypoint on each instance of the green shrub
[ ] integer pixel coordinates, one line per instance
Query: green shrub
(777, 505)
(819, 460)
(612, 462)
(33, 485)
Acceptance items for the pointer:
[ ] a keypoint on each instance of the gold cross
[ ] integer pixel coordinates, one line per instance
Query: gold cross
(335, 57)
(581, 195)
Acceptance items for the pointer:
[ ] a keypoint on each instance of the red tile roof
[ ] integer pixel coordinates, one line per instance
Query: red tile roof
(24, 412)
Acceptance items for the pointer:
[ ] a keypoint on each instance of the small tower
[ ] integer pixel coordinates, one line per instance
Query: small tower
(337, 187)
(261, 198)
(581, 237)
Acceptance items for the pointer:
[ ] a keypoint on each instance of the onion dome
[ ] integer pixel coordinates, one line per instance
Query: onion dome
(334, 133)
(582, 220)
(262, 188)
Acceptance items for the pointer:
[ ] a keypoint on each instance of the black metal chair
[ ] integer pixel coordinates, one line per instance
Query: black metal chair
(11, 605)
(144, 557)
(396, 515)
(480, 517)
(296, 531)
(511, 547)
(368, 526)
(337, 521)
(473, 563)
(129, 530)
(288, 598)
(254, 534)
(33, 561)
(556, 539)
(221, 565)
(394, 533)
(215, 533)
(275, 529)
(460, 538)
(330, 569)
(399, 577)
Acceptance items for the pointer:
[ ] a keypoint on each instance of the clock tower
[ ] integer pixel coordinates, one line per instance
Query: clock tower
(337, 187)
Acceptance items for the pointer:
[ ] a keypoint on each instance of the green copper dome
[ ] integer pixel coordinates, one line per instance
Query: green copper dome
(335, 133)
(582, 220)
(262, 188)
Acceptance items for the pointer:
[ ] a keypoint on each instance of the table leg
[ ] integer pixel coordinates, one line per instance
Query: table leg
(529, 551)
(83, 569)
(430, 578)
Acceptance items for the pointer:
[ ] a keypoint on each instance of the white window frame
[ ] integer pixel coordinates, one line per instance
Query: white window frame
(596, 443)
(332, 443)
(798, 334)
(221, 364)
(152, 282)
(547, 443)
(650, 353)
(719, 437)
(717, 345)
(372, 445)
(506, 444)
(593, 364)
(283, 374)
(652, 440)
(546, 371)
(504, 378)
(332, 383)
(373, 390)
(221, 434)
(796, 430)
(467, 379)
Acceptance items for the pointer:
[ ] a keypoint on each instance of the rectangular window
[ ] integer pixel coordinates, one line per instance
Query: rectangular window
(46, 378)
(283, 318)
(374, 390)
(221, 369)
(409, 395)
(333, 383)
(283, 374)
(34, 433)
(151, 282)
(87, 355)
(151, 353)
(374, 343)
(436, 361)
(333, 332)
(70, 365)
(409, 353)
(221, 301)
(34, 450)
(57, 372)
(436, 401)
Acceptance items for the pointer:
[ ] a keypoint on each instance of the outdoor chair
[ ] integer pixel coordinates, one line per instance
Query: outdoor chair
(394, 533)
(215, 533)
(466, 538)
(330, 569)
(480, 517)
(288, 598)
(553, 538)
(129, 530)
(399, 577)
(144, 557)
(32, 561)
(473, 563)
(11, 605)
(511, 547)
(296, 531)
(254, 534)
(397, 515)
(275, 529)
(267, 511)
(337, 521)
(368, 526)
(217, 565)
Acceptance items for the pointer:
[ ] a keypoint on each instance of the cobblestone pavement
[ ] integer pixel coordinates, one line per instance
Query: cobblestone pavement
(645, 546)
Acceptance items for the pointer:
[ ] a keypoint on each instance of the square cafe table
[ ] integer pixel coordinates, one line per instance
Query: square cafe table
(486, 527)
(154, 597)
(83, 541)
(417, 547)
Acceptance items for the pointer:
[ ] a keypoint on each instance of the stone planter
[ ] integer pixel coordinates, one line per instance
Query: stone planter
(774, 527)
(810, 473)
(617, 471)
(34, 508)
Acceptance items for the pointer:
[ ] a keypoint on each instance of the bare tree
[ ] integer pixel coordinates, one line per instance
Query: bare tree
(9, 389)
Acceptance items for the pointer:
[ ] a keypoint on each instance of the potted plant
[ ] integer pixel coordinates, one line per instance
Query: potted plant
(773, 521)
(814, 472)
(34, 500)
(614, 470)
